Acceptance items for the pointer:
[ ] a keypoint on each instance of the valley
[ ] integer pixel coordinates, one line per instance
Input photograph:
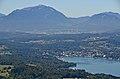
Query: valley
(36, 55)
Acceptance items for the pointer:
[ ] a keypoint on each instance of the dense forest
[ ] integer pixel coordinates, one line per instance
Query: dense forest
(36, 56)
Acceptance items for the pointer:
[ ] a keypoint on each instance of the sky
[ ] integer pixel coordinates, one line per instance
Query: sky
(71, 8)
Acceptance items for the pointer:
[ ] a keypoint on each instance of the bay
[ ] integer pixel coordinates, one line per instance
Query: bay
(95, 65)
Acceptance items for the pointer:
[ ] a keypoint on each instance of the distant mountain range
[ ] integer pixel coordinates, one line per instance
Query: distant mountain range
(46, 19)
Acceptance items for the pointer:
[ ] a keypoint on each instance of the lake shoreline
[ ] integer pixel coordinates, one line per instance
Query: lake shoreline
(101, 60)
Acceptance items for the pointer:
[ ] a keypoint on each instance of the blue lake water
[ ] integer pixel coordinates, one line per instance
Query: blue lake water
(95, 65)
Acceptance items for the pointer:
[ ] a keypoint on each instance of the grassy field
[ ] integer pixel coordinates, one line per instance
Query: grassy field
(3, 66)
(5, 74)
(33, 65)
(5, 69)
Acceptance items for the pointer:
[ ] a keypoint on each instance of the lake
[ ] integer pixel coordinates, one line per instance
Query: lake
(95, 65)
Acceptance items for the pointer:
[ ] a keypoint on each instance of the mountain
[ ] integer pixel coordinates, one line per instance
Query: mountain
(33, 18)
(1, 15)
(41, 12)
(46, 19)
(79, 20)
(101, 22)
(105, 18)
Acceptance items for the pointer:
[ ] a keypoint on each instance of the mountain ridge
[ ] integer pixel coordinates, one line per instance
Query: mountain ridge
(45, 18)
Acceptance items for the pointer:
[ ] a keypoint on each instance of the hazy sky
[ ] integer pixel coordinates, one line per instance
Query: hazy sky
(71, 8)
